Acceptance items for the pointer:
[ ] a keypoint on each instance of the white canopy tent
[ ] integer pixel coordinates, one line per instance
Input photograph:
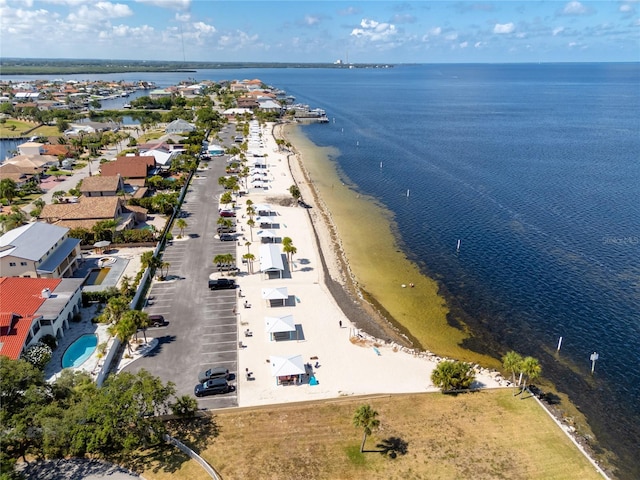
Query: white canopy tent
(274, 294)
(287, 370)
(264, 221)
(263, 209)
(279, 328)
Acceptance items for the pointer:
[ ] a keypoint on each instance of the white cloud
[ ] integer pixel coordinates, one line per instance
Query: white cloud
(311, 20)
(451, 36)
(464, 44)
(125, 31)
(202, 27)
(183, 17)
(478, 44)
(575, 8)
(374, 31)
(435, 31)
(99, 12)
(171, 4)
(558, 31)
(504, 28)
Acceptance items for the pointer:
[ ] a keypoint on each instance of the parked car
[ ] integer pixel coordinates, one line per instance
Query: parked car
(157, 321)
(213, 387)
(227, 237)
(227, 267)
(215, 372)
(227, 213)
(223, 229)
(221, 284)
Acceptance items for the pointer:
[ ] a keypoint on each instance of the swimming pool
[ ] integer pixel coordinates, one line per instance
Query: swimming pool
(79, 351)
(97, 275)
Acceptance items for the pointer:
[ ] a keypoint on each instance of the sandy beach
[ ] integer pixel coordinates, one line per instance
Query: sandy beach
(346, 349)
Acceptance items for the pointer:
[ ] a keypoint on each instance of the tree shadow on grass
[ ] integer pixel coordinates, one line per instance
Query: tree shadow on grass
(393, 446)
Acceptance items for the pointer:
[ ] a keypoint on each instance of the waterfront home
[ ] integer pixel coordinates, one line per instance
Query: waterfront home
(31, 308)
(130, 167)
(179, 126)
(88, 211)
(102, 186)
(38, 250)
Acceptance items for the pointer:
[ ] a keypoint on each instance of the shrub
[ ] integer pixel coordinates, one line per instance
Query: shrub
(37, 355)
(50, 341)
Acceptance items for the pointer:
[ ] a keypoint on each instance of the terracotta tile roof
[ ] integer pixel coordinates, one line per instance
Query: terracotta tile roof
(22, 297)
(87, 208)
(101, 183)
(55, 150)
(128, 167)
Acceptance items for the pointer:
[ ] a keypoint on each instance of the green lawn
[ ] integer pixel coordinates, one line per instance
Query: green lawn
(483, 435)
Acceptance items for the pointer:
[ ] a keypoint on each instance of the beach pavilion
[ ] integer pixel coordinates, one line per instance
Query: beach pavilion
(280, 328)
(271, 259)
(267, 235)
(287, 370)
(272, 295)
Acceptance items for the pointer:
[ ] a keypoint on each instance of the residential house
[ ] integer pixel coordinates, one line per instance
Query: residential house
(102, 186)
(179, 126)
(133, 169)
(87, 212)
(30, 148)
(38, 250)
(31, 308)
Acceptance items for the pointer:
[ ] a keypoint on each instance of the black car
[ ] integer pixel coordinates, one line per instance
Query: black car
(213, 387)
(215, 372)
(227, 237)
(157, 321)
(221, 284)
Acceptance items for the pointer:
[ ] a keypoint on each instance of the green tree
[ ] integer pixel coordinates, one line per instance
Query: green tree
(295, 192)
(223, 259)
(249, 257)
(8, 189)
(531, 369)
(123, 330)
(512, 362)
(185, 406)
(365, 417)
(140, 319)
(289, 248)
(452, 375)
(115, 308)
(181, 223)
(14, 219)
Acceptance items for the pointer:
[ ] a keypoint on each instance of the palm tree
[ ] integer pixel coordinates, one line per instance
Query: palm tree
(251, 212)
(512, 361)
(115, 309)
(163, 266)
(365, 417)
(288, 248)
(251, 224)
(141, 320)
(249, 257)
(531, 369)
(223, 259)
(452, 375)
(123, 330)
(181, 224)
(247, 244)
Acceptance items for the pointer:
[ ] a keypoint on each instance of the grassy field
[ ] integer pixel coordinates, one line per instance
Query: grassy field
(16, 128)
(485, 435)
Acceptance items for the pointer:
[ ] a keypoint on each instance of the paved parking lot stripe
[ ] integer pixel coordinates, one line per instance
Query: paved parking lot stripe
(218, 352)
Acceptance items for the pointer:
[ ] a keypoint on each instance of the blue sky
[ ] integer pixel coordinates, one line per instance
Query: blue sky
(322, 31)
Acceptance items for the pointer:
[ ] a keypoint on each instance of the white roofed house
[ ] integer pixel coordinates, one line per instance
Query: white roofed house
(179, 126)
(38, 250)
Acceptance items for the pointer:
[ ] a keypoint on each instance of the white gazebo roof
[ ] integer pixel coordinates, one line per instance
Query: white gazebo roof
(283, 366)
(279, 293)
(266, 234)
(271, 259)
(279, 324)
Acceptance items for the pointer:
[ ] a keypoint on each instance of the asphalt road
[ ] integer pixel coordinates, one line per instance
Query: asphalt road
(203, 330)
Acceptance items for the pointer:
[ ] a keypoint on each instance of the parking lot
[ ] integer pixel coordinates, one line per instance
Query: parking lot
(202, 329)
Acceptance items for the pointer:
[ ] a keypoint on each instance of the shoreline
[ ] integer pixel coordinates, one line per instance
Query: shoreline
(342, 279)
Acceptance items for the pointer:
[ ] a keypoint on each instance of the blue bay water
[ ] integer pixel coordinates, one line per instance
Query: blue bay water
(536, 169)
